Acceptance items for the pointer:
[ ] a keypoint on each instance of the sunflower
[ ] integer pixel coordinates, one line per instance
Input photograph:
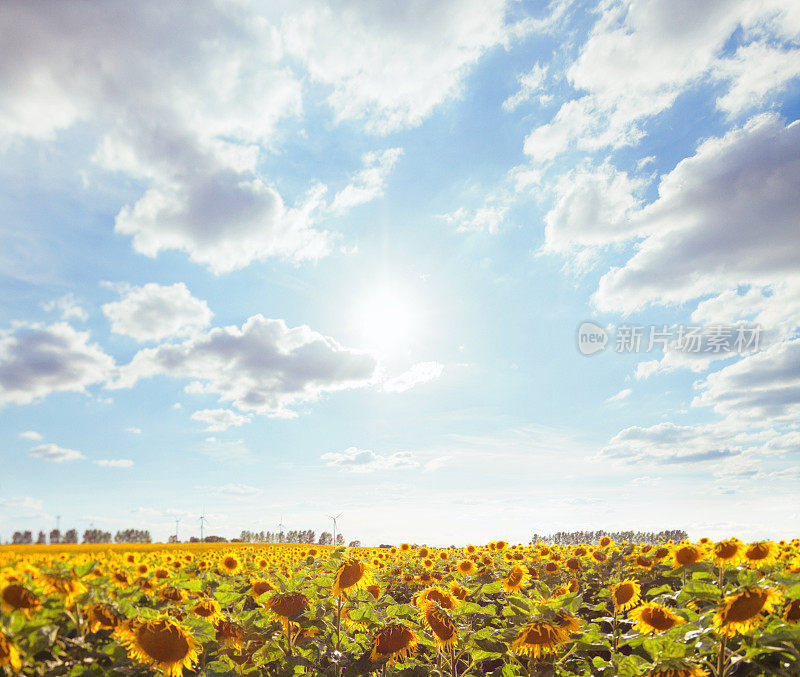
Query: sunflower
(9, 654)
(66, 587)
(459, 591)
(440, 624)
(208, 609)
(605, 542)
(443, 598)
(626, 594)
(259, 586)
(686, 554)
(598, 556)
(374, 590)
(654, 618)
(574, 564)
(173, 594)
(352, 574)
(792, 613)
(516, 579)
(285, 605)
(393, 641)
(102, 617)
(567, 622)
(14, 597)
(539, 638)
(729, 551)
(466, 567)
(228, 633)
(162, 644)
(761, 553)
(742, 611)
(644, 563)
(230, 564)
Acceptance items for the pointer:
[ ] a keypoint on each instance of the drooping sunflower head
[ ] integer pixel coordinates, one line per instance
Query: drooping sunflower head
(729, 551)
(171, 594)
(567, 622)
(440, 624)
(208, 609)
(626, 594)
(393, 642)
(162, 644)
(745, 609)
(516, 579)
(102, 617)
(229, 633)
(435, 594)
(459, 591)
(259, 586)
(677, 667)
(654, 618)
(574, 564)
(352, 574)
(539, 638)
(761, 553)
(9, 656)
(284, 605)
(687, 554)
(792, 612)
(15, 597)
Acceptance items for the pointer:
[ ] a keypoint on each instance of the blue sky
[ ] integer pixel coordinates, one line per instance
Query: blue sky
(332, 257)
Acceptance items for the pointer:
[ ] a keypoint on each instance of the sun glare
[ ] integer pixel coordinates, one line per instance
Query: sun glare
(387, 319)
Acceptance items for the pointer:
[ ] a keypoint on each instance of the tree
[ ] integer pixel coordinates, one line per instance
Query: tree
(132, 536)
(22, 538)
(96, 536)
(325, 538)
(42, 539)
(355, 544)
(339, 539)
(71, 536)
(55, 537)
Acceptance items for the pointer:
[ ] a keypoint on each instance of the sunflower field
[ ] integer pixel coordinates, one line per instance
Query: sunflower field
(672, 610)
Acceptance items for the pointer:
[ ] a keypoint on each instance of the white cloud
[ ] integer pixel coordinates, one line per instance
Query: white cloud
(263, 367)
(54, 453)
(366, 460)
(391, 65)
(529, 83)
(218, 420)
(422, 372)
(593, 209)
(133, 430)
(114, 463)
(727, 216)
(621, 395)
(639, 57)
(435, 463)
(23, 505)
(235, 490)
(36, 360)
(762, 388)
(153, 312)
(31, 435)
(487, 218)
(369, 182)
(67, 307)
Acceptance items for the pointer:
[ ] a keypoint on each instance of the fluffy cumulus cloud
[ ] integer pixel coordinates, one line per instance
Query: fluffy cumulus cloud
(31, 435)
(529, 84)
(217, 420)
(67, 307)
(639, 57)
(391, 65)
(153, 312)
(724, 217)
(55, 454)
(264, 366)
(36, 360)
(422, 372)
(366, 460)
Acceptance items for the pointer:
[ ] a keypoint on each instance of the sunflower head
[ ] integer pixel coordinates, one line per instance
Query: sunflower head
(208, 609)
(230, 564)
(677, 667)
(687, 554)
(792, 611)
(466, 567)
(9, 656)
(229, 634)
(744, 610)
(539, 638)
(440, 624)
(393, 641)
(761, 553)
(435, 594)
(15, 597)
(654, 618)
(729, 551)
(352, 574)
(162, 644)
(516, 579)
(626, 594)
(259, 586)
(102, 617)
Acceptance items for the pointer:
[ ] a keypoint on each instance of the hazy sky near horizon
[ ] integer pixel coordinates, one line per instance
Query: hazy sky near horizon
(284, 260)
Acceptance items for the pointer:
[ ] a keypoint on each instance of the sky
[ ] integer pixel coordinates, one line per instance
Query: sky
(270, 262)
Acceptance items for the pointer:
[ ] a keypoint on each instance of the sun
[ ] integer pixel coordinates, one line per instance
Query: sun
(388, 318)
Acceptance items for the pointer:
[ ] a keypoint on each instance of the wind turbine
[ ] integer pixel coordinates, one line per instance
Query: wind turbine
(281, 527)
(177, 522)
(334, 518)
(203, 519)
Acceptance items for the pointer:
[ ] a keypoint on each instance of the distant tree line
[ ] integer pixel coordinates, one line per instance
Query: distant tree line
(593, 537)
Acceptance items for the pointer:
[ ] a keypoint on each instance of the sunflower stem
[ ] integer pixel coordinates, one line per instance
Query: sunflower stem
(721, 670)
